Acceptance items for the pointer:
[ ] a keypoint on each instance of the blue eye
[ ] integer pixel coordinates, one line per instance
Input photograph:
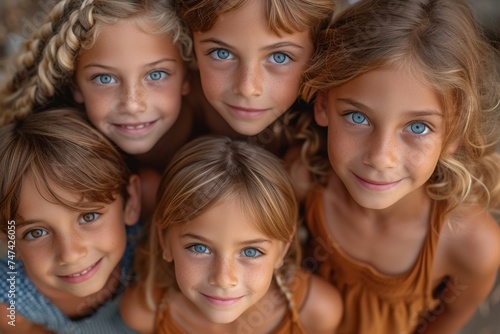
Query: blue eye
(418, 128)
(356, 118)
(35, 234)
(251, 252)
(221, 54)
(88, 217)
(199, 248)
(156, 75)
(104, 79)
(279, 58)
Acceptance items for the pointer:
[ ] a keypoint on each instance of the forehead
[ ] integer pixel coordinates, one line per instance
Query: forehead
(247, 17)
(391, 88)
(128, 39)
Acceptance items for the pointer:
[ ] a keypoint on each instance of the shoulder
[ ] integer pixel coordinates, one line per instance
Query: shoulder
(323, 308)
(468, 252)
(471, 239)
(15, 323)
(135, 311)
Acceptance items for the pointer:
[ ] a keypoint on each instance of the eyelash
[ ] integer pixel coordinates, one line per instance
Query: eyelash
(27, 235)
(349, 117)
(258, 255)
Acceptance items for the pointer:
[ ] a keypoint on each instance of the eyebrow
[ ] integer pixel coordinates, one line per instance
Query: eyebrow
(205, 240)
(155, 63)
(414, 113)
(24, 222)
(267, 47)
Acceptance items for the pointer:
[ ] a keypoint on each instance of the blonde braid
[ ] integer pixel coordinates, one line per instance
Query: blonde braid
(46, 61)
(284, 289)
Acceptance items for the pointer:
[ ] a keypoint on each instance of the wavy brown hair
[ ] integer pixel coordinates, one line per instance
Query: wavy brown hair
(59, 147)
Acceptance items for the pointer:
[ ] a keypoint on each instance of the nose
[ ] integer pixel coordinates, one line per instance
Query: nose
(223, 273)
(70, 248)
(133, 98)
(382, 151)
(249, 80)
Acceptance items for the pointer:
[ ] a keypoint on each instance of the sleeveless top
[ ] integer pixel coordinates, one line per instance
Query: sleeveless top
(375, 302)
(39, 310)
(298, 287)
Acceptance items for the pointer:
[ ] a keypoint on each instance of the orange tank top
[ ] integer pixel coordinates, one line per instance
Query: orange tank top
(298, 287)
(375, 302)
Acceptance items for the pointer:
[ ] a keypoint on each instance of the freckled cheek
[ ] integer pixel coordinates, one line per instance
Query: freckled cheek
(343, 148)
(420, 158)
(190, 274)
(258, 277)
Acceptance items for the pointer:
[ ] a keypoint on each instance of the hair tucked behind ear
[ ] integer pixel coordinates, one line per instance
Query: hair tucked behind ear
(43, 73)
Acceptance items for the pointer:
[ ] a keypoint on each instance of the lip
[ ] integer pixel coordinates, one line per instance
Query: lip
(376, 185)
(221, 301)
(248, 113)
(83, 275)
(137, 128)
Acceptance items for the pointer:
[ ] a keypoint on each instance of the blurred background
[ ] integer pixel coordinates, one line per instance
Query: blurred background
(20, 18)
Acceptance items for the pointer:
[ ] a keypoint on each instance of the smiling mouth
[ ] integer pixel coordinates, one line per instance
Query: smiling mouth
(375, 185)
(83, 272)
(134, 126)
(220, 301)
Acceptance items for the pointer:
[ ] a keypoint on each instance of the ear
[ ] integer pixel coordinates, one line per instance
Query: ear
(186, 85)
(281, 258)
(167, 252)
(321, 109)
(77, 94)
(132, 210)
(453, 147)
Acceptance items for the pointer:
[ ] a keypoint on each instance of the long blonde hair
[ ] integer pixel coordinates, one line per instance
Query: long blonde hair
(207, 171)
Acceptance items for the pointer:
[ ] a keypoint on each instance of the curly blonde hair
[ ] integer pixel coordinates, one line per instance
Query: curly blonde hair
(440, 41)
(44, 67)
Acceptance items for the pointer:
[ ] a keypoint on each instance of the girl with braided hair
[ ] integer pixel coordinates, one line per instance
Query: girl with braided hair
(124, 61)
(218, 259)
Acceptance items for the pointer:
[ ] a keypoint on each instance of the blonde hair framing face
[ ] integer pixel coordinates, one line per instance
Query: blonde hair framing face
(209, 170)
(440, 42)
(43, 73)
(59, 147)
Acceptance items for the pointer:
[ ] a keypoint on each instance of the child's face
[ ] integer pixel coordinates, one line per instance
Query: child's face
(385, 135)
(65, 252)
(223, 263)
(249, 74)
(131, 83)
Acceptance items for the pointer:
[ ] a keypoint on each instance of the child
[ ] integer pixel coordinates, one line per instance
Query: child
(409, 92)
(123, 60)
(68, 206)
(251, 55)
(225, 219)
